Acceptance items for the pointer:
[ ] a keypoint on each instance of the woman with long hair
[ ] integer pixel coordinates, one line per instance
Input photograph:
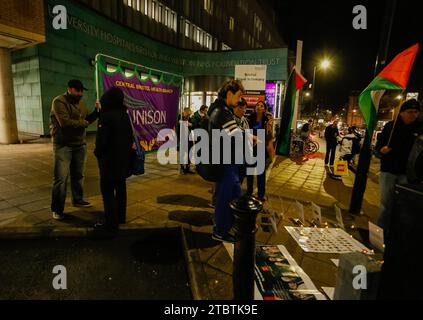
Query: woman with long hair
(261, 119)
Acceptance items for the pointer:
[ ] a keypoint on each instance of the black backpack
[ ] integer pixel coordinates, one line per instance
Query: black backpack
(209, 172)
(356, 148)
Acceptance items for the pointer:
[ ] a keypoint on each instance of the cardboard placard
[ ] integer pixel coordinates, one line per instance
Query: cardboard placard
(317, 214)
(300, 212)
(339, 219)
(376, 237)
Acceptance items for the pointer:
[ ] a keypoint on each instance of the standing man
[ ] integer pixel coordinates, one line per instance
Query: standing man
(198, 116)
(331, 136)
(228, 187)
(395, 144)
(69, 119)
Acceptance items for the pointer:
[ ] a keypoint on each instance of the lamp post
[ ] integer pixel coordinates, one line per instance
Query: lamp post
(325, 64)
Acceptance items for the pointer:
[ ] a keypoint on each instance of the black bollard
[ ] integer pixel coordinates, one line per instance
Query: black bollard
(246, 210)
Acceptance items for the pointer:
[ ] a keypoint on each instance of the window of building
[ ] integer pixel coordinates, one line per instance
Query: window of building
(153, 10)
(207, 42)
(231, 23)
(198, 35)
(208, 6)
(166, 20)
(174, 20)
(146, 7)
(159, 13)
(187, 26)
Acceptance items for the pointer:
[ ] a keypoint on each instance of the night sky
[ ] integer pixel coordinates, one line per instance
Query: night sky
(327, 31)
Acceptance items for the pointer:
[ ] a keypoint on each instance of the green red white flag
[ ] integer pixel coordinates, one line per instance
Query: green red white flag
(393, 77)
(295, 82)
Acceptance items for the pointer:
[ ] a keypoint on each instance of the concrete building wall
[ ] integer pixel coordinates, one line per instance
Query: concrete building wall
(27, 87)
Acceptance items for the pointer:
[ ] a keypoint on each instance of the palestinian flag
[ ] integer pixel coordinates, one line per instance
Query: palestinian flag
(393, 77)
(295, 82)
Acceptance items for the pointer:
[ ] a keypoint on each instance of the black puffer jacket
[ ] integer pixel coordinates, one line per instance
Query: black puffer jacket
(401, 143)
(221, 117)
(113, 146)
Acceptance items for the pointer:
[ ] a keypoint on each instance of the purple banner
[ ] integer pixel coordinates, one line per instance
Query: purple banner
(152, 107)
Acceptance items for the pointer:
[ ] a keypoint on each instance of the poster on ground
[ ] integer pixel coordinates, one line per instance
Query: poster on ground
(278, 276)
(326, 240)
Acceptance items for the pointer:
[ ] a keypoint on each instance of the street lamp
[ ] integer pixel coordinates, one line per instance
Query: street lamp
(325, 64)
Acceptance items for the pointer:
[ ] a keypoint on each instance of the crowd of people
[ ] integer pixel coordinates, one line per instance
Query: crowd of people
(115, 148)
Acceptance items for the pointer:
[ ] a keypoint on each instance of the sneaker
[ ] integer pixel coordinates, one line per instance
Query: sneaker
(227, 238)
(82, 204)
(58, 216)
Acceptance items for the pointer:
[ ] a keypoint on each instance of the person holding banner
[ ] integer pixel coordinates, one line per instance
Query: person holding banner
(69, 119)
(395, 144)
(113, 149)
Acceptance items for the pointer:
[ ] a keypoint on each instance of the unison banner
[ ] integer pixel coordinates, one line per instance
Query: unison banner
(152, 106)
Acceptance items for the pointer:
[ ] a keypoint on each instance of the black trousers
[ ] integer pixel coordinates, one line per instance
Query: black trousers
(114, 200)
(330, 151)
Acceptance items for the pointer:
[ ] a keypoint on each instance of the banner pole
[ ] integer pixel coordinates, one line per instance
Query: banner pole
(96, 77)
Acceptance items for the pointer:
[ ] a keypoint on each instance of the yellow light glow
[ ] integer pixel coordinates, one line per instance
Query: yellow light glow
(325, 64)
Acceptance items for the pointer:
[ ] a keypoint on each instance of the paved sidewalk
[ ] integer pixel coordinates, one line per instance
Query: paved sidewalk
(162, 197)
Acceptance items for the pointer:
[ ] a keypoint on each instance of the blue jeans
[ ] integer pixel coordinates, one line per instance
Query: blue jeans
(261, 185)
(387, 183)
(67, 161)
(228, 188)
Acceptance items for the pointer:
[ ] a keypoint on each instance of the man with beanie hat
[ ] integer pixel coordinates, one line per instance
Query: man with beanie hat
(395, 144)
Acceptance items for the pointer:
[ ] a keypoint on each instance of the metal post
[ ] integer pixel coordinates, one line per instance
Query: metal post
(312, 89)
(245, 213)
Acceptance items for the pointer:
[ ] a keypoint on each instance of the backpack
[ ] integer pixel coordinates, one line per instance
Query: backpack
(356, 148)
(209, 172)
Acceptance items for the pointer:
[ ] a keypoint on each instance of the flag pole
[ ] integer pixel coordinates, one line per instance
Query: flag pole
(297, 95)
(360, 181)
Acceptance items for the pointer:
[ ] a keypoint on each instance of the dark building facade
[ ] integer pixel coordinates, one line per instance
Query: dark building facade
(201, 41)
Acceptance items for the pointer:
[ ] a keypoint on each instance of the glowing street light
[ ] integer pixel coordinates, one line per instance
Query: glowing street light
(324, 65)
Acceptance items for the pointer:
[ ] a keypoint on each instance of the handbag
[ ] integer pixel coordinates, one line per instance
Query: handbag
(138, 156)
(340, 168)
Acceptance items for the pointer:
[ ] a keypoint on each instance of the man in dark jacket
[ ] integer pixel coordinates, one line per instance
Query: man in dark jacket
(331, 136)
(395, 144)
(228, 187)
(69, 119)
(113, 149)
(198, 116)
